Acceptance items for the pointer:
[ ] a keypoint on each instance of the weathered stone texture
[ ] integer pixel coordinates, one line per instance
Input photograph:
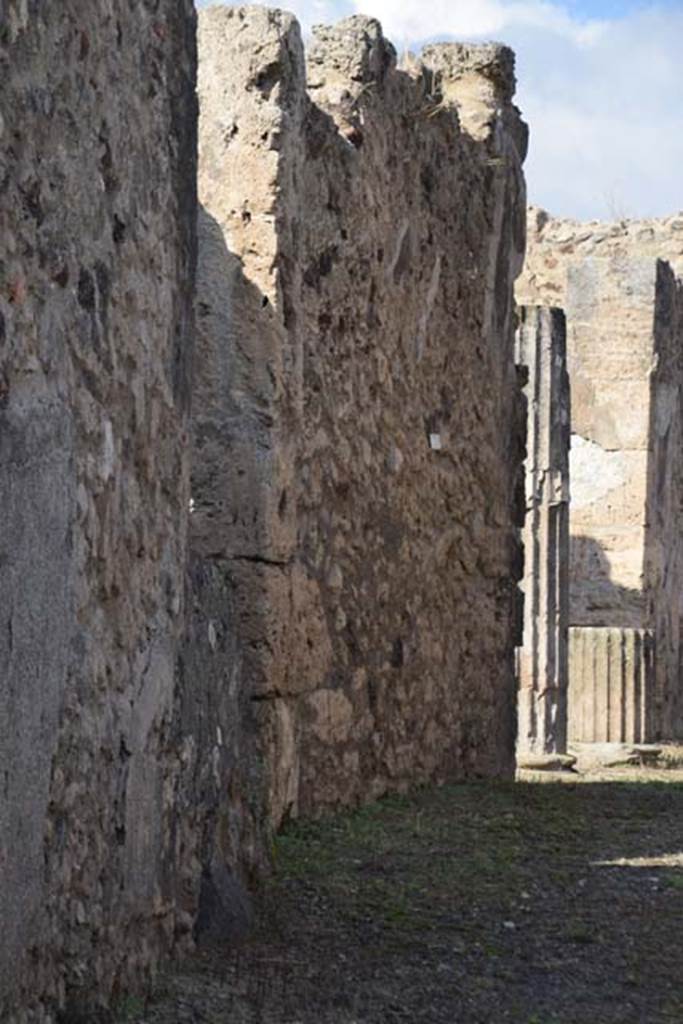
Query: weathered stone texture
(624, 354)
(359, 433)
(96, 277)
(611, 684)
(663, 565)
(542, 660)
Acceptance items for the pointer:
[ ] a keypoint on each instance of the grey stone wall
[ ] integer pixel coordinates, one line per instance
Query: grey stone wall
(357, 446)
(542, 659)
(97, 219)
(663, 562)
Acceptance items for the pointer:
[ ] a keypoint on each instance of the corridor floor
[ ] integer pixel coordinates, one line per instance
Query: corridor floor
(554, 902)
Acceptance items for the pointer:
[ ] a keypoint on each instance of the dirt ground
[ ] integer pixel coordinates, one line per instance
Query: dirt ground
(552, 900)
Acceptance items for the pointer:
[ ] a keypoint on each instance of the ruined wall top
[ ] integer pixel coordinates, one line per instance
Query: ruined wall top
(348, 71)
(354, 50)
(357, 48)
(345, 60)
(457, 62)
(658, 238)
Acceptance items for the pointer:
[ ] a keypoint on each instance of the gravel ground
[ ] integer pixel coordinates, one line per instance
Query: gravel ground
(552, 900)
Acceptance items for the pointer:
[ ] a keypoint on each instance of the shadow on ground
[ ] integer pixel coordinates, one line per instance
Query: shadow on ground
(530, 903)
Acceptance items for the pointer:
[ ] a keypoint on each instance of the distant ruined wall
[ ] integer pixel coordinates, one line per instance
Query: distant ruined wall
(97, 212)
(624, 353)
(358, 429)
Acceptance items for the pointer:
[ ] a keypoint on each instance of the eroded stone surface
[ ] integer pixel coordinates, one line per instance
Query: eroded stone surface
(96, 277)
(359, 432)
(611, 685)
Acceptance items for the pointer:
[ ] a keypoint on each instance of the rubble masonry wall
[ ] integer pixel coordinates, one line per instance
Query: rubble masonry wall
(341, 617)
(97, 215)
(358, 428)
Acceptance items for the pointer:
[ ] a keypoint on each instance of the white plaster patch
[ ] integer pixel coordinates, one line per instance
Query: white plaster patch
(594, 471)
(108, 451)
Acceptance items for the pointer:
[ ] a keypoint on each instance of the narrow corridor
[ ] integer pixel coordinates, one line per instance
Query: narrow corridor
(554, 902)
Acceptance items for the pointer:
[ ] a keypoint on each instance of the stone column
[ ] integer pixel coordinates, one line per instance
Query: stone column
(611, 682)
(542, 660)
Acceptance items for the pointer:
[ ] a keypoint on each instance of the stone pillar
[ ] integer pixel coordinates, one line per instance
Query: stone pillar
(542, 660)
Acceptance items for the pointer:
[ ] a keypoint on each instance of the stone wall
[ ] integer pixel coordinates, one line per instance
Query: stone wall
(624, 343)
(96, 276)
(338, 618)
(359, 435)
(542, 660)
(663, 569)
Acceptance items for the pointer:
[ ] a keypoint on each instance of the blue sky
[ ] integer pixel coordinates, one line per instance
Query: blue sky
(600, 83)
(611, 8)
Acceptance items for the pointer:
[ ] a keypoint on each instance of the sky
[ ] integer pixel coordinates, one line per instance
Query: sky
(600, 83)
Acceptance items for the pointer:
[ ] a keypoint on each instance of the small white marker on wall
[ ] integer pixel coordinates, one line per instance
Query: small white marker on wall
(435, 442)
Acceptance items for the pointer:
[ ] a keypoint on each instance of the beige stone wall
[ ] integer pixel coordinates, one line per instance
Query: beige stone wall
(97, 211)
(359, 436)
(624, 342)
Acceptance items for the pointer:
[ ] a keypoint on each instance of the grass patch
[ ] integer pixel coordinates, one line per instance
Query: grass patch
(515, 903)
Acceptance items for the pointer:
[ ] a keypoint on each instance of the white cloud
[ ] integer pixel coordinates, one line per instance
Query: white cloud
(603, 98)
(606, 119)
(411, 20)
